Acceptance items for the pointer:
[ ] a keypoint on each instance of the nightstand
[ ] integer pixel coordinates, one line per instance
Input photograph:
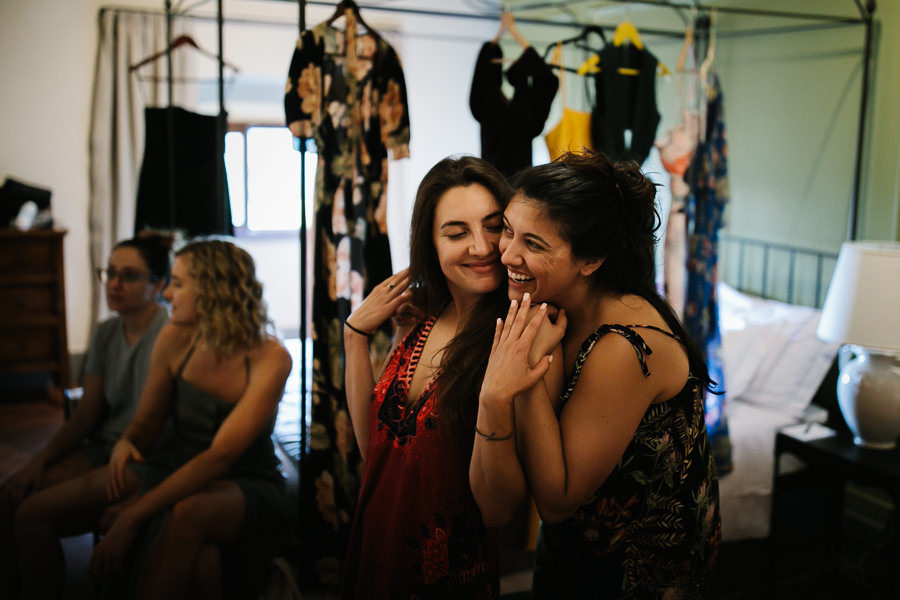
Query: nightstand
(828, 465)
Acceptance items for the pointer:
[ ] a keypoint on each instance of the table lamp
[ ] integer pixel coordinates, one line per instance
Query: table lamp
(862, 311)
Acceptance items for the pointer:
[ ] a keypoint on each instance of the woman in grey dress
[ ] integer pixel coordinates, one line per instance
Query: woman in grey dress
(211, 487)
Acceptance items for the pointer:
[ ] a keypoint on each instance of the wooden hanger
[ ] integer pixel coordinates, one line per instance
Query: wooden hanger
(707, 63)
(508, 23)
(182, 40)
(344, 6)
(685, 49)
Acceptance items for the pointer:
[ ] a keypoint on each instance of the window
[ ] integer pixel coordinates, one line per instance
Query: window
(263, 169)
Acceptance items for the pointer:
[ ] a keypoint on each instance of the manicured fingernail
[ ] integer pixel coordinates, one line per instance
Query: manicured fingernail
(527, 296)
(513, 303)
(543, 306)
(551, 358)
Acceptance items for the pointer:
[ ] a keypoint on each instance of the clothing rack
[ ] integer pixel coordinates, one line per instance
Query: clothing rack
(865, 8)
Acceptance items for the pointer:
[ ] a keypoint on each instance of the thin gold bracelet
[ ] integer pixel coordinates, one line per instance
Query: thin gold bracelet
(492, 436)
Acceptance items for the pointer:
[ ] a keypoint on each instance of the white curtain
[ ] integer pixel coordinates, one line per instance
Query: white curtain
(117, 123)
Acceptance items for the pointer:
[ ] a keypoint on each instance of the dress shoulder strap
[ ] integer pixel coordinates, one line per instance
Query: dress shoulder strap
(659, 329)
(186, 358)
(641, 349)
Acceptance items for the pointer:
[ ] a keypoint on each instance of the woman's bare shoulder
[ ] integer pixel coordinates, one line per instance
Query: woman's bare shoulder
(173, 338)
(271, 351)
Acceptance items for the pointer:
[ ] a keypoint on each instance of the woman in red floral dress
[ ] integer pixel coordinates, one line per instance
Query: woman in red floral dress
(417, 531)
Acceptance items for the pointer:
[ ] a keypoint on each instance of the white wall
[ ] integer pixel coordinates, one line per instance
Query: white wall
(46, 69)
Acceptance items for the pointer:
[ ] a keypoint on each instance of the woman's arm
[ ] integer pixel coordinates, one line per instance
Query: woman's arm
(359, 379)
(240, 428)
(495, 473)
(152, 409)
(568, 458)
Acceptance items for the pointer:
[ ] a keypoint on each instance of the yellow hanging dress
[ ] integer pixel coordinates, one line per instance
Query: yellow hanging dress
(573, 131)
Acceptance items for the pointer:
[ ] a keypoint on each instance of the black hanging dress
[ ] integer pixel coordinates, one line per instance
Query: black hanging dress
(625, 101)
(190, 164)
(509, 125)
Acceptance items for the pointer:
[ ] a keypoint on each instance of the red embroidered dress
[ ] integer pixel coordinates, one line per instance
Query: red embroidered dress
(417, 532)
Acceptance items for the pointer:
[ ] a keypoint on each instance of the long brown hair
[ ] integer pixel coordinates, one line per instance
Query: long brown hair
(465, 357)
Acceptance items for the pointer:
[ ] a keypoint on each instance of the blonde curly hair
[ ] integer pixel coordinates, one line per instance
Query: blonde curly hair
(231, 314)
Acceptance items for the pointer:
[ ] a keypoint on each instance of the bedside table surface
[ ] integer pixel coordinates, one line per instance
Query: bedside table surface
(881, 467)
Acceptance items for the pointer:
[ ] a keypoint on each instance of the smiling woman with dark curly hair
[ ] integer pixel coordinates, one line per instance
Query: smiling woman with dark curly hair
(210, 491)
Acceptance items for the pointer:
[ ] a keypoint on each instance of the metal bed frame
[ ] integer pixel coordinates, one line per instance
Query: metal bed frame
(776, 271)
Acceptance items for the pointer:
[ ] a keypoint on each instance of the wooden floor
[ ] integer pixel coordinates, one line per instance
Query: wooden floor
(25, 426)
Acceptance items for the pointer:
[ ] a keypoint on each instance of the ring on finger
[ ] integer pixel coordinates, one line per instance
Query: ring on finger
(391, 285)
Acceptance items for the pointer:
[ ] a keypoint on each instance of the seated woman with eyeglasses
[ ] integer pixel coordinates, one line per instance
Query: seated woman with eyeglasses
(211, 496)
(42, 501)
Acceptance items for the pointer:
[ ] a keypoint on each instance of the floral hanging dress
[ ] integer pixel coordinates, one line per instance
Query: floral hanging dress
(652, 530)
(347, 92)
(417, 532)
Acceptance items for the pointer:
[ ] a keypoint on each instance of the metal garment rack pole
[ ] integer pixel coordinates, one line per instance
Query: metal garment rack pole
(866, 13)
(303, 300)
(170, 119)
(220, 123)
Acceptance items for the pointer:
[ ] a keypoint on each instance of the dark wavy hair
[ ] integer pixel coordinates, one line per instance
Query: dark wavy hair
(607, 209)
(155, 249)
(465, 357)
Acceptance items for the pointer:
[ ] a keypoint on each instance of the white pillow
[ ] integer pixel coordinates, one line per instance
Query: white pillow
(770, 351)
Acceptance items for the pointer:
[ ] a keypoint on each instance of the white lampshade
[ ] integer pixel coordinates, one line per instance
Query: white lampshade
(863, 302)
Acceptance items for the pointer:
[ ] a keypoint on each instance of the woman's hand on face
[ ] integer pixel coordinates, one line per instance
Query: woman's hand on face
(108, 557)
(551, 333)
(122, 453)
(382, 303)
(509, 371)
(23, 482)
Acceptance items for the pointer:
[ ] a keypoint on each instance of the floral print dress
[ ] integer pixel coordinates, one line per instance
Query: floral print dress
(706, 216)
(347, 92)
(417, 532)
(652, 530)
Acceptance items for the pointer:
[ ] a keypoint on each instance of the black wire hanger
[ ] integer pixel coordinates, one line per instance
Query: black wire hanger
(342, 7)
(181, 40)
(581, 37)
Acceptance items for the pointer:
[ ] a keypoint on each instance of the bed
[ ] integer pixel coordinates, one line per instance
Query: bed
(769, 300)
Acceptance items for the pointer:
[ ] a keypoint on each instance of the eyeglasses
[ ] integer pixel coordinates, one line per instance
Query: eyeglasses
(126, 276)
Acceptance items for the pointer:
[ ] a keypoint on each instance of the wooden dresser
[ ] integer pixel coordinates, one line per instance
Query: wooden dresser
(33, 304)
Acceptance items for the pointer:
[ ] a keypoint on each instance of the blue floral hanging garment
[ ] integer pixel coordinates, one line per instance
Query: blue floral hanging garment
(708, 179)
